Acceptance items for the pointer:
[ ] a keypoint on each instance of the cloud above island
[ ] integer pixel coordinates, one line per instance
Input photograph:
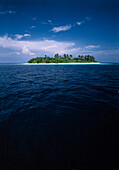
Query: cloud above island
(32, 48)
(36, 47)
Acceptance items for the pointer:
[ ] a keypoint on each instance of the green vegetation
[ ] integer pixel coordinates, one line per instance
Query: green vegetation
(63, 59)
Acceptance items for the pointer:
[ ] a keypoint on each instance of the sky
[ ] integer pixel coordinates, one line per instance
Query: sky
(33, 28)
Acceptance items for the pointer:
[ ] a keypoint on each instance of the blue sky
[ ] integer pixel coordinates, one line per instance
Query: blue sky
(31, 28)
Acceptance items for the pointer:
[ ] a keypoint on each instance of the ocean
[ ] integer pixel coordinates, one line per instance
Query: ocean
(59, 117)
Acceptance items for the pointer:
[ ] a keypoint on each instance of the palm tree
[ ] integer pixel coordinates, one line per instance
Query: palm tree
(92, 58)
(56, 56)
(82, 57)
(79, 57)
(67, 56)
(64, 56)
(71, 57)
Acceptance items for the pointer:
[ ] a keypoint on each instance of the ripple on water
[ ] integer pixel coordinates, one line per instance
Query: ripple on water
(65, 116)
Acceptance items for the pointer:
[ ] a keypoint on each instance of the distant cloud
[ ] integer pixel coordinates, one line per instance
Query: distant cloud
(27, 35)
(78, 23)
(32, 27)
(84, 21)
(11, 12)
(7, 12)
(49, 21)
(92, 46)
(68, 27)
(88, 18)
(61, 28)
(34, 18)
(11, 53)
(19, 36)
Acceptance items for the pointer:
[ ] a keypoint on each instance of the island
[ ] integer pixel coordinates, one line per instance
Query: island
(63, 59)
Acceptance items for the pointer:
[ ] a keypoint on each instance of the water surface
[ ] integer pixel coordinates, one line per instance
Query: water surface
(59, 117)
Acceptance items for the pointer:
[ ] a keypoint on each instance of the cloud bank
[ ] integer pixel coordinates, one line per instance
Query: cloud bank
(21, 50)
(41, 47)
(36, 47)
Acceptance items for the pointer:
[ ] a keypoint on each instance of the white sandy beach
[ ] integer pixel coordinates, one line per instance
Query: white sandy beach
(60, 63)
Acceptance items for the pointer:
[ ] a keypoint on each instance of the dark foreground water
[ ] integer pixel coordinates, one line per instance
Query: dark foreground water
(57, 117)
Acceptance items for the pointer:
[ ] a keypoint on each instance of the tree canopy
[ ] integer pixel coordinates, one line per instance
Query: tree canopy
(66, 58)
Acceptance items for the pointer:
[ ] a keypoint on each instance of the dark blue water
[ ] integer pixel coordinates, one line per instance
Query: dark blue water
(57, 117)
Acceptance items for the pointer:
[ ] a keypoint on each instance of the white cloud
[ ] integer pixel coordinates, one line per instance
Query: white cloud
(49, 21)
(17, 53)
(37, 47)
(61, 28)
(26, 35)
(33, 26)
(68, 27)
(11, 12)
(25, 50)
(19, 36)
(92, 46)
(41, 47)
(78, 23)
(84, 21)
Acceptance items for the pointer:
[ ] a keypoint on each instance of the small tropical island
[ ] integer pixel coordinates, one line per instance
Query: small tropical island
(63, 59)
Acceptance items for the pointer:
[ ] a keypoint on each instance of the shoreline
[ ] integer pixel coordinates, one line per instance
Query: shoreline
(60, 63)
